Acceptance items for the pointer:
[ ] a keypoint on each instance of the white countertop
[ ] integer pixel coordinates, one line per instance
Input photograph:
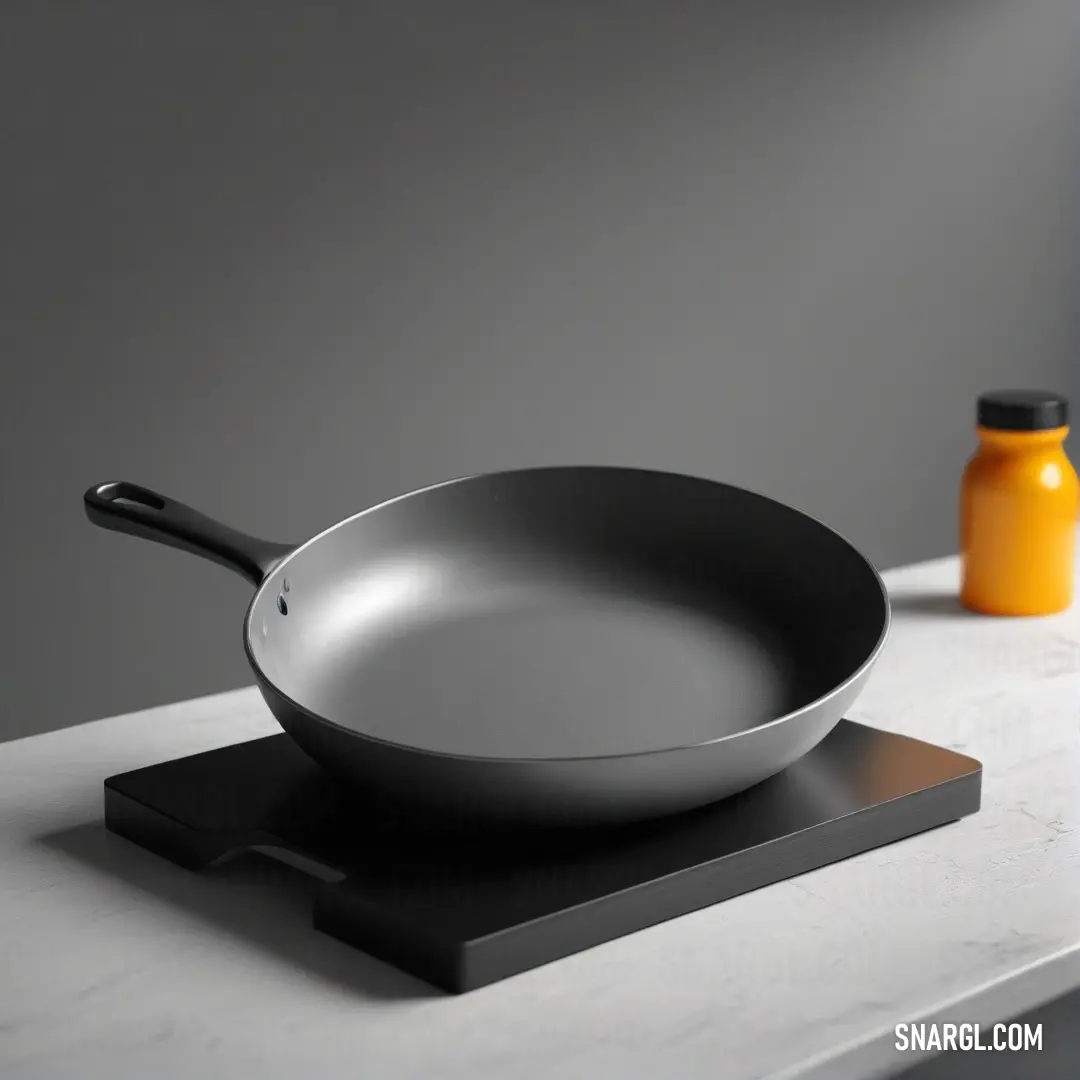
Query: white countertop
(116, 965)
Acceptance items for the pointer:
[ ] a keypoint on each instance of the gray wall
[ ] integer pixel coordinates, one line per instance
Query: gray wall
(283, 265)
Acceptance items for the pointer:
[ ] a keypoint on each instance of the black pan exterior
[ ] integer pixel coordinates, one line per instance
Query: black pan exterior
(572, 793)
(554, 646)
(729, 558)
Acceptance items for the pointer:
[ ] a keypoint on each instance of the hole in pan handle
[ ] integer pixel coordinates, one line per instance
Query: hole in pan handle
(137, 511)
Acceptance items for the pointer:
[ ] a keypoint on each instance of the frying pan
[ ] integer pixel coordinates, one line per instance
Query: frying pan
(551, 646)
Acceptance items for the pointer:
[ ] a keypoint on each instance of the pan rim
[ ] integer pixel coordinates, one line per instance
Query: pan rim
(389, 744)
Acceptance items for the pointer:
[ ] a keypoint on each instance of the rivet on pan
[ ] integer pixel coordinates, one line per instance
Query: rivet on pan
(264, 628)
(285, 585)
(281, 605)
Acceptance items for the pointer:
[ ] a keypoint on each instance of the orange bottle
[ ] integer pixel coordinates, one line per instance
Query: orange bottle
(1019, 502)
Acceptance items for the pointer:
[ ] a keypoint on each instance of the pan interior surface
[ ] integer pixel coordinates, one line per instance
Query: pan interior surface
(566, 613)
(535, 667)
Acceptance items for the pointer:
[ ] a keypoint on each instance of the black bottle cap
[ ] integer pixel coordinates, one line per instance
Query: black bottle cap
(1022, 410)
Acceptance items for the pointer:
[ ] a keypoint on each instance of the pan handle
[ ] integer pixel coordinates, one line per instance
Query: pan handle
(128, 508)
